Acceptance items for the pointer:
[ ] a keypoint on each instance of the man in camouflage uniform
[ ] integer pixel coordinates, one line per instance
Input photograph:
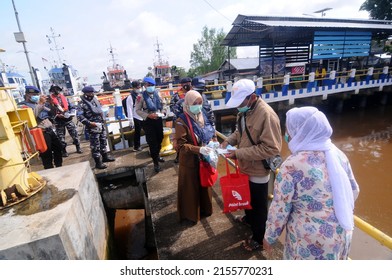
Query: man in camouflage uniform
(63, 119)
(90, 114)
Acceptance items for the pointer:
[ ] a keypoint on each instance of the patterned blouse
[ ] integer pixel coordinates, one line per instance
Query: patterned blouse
(303, 203)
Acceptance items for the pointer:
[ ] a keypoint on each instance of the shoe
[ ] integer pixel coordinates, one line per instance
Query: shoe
(79, 150)
(242, 220)
(157, 168)
(137, 149)
(160, 159)
(107, 158)
(99, 164)
(252, 245)
(64, 154)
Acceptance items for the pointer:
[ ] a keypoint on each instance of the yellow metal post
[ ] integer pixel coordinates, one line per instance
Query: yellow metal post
(16, 184)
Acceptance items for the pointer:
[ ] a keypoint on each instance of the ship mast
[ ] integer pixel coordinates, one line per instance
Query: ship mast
(159, 54)
(158, 50)
(112, 54)
(52, 39)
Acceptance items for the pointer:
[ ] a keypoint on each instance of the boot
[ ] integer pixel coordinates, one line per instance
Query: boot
(99, 164)
(78, 149)
(107, 158)
(64, 153)
(157, 168)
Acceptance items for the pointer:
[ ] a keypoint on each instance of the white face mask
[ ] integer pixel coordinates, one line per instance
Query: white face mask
(138, 90)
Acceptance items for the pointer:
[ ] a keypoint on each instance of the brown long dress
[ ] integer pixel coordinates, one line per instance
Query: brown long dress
(193, 200)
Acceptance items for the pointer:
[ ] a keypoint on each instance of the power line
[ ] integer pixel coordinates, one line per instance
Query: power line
(217, 11)
(236, 25)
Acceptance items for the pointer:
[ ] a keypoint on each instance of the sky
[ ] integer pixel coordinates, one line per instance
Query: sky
(88, 28)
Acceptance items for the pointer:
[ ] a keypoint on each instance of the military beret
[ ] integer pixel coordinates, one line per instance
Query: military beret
(32, 89)
(54, 88)
(185, 80)
(88, 89)
(149, 80)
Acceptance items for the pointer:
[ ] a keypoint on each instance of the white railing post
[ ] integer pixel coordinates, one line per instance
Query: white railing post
(259, 86)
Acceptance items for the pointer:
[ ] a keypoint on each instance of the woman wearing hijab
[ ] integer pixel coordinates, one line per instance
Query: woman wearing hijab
(194, 201)
(314, 192)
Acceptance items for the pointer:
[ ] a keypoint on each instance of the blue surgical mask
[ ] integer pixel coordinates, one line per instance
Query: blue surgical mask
(195, 109)
(150, 89)
(34, 98)
(286, 137)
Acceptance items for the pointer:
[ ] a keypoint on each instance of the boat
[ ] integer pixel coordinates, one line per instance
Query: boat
(62, 74)
(162, 68)
(116, 76)
(16, 81)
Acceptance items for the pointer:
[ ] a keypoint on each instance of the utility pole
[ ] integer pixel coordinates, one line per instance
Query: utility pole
(19, 37)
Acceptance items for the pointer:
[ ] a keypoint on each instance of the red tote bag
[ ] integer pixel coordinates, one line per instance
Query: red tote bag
(235, 190)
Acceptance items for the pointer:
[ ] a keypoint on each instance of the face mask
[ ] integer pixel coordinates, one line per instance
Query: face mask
(138, 90)
(150, 89)
(89, 97)
(186, 87)
(244, 109)
(195, 109)
(34, 98)
(286, 137)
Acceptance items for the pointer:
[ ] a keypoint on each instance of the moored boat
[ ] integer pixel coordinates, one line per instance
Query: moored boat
(62, 74)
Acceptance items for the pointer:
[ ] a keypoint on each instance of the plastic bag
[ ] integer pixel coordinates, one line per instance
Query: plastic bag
(212, 157)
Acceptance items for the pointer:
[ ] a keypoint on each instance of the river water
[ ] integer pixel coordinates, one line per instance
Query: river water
(365, 135)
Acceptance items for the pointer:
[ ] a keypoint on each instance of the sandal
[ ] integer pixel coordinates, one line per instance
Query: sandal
(241, 219)
(251, 245)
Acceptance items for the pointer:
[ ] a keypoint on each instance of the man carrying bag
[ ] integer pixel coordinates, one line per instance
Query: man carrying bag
(264, 129)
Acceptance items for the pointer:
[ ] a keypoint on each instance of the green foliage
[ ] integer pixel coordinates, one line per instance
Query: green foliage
(378, 9)
(177, 71)
(208, 54)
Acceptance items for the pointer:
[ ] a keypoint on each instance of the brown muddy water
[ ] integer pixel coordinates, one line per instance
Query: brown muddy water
(366, 137)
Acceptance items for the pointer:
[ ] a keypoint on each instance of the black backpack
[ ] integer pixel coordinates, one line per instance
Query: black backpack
(124, 104)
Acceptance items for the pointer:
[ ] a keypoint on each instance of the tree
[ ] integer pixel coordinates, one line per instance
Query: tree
(378, 9)
(208, 54)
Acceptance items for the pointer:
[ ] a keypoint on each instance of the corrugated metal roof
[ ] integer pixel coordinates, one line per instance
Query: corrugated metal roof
(318, 24)
(285, 31)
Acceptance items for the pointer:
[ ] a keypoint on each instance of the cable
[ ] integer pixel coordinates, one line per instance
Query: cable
(236, 25)
(217, 11)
